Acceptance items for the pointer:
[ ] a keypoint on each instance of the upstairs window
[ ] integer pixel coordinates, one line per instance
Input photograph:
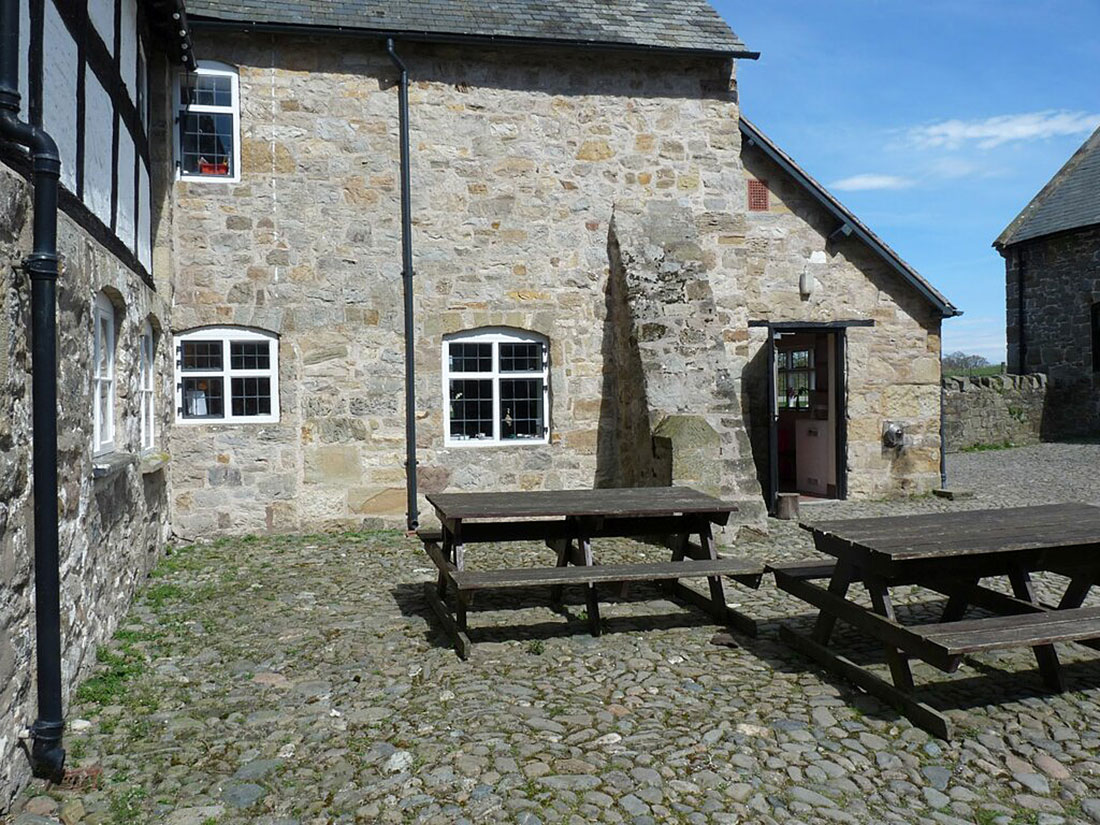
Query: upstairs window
(103, 376)
(497, 386)
(142, 102)
(227, 374)
(147, 346)
(208, 120)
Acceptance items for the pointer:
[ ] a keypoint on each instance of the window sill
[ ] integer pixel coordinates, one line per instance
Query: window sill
(154, 461)
(109, 464)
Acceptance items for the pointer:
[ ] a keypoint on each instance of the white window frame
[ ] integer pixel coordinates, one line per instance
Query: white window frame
(495, 336)
(146, 394)
(208, 67)
(103, 380)
(227, 336)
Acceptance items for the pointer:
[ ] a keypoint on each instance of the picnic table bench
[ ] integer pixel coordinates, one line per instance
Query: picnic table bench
(567, 521)
(949, 554)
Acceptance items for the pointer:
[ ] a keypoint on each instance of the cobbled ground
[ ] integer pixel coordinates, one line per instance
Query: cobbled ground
(303, 680)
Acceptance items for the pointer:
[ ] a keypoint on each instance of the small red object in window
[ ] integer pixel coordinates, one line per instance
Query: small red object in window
(758, 196)
(208, 168)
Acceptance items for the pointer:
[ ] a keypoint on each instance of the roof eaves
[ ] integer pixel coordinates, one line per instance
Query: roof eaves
(842, 213)
(421, 36)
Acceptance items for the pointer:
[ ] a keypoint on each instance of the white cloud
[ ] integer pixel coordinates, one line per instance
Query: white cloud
(869, 182)
(991, 132)
(978, 336)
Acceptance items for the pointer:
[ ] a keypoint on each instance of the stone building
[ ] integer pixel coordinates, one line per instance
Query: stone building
(1052, 289)
(580, 195)
(618, 281)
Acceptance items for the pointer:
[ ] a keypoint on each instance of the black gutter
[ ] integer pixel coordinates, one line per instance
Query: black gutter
(305, 29)
(412, 520)
(47, 755)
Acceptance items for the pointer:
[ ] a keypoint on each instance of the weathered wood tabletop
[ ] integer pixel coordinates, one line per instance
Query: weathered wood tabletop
(950, 554)
(607, 502)
(567, 521)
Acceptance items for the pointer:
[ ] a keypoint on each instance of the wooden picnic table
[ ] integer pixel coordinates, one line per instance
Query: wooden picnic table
(567, 521)
(950, 554)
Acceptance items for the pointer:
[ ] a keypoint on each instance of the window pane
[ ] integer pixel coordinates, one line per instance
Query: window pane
(203, 398)
(471, 357)
(249, 355)
(471, 408)
(105, 418)
(206, 90)
(202, 355)
(251, 396)
(206, 144)
(104, 338)
(521, 357)
(521, 408)
(800, 359)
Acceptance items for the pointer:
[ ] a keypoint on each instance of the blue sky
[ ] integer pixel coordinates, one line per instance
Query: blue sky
(934, 121)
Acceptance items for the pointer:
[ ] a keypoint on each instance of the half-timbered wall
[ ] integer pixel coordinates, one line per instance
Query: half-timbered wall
(79, 79)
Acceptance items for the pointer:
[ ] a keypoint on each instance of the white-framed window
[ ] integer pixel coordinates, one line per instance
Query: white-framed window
(147, 346)
(103, 376)
(208, 123)
(496, 383)
(227, 374)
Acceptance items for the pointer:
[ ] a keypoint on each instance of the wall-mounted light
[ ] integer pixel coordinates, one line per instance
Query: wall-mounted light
(806, 283)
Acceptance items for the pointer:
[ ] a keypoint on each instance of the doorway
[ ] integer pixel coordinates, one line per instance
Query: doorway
(807, 391)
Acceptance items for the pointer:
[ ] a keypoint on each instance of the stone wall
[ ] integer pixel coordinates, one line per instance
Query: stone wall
(892, 368)
(1061, 283)
(112, 527)
(995, 410)
(520, 159)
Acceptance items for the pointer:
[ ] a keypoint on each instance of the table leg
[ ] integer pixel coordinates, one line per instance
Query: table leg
(564, 549)
(957, 603)
(591, 595)
(1045, 655)
(460, 564)
(843, 574)
(1079, 587)
(898, 661)
(717, 592)
(441, 582)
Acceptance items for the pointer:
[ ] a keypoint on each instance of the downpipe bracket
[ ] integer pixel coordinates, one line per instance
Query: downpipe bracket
(42, 266)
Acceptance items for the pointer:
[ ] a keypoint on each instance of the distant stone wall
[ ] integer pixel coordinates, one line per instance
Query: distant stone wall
(113, 519)
(995, 410)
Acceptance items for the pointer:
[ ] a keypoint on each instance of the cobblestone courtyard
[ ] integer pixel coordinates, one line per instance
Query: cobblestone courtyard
(302, 680)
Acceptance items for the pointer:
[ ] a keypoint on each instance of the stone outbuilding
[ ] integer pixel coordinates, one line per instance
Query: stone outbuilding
(1052, 290)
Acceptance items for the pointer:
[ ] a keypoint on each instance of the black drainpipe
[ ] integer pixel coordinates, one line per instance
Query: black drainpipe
(943, 441)
(47, 755)
(1021, 346)
(412, 520)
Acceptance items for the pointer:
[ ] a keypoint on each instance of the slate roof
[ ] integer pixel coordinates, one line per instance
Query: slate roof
(1070, 200)
(679, 25)
(845, 218)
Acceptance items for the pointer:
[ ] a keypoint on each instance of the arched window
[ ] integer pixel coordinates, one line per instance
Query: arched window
(497, 384)
(228, 374)
(147, 350)
(103, 376)
(208, 119)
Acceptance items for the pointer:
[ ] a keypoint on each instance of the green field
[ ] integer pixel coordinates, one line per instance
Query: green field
(992, 369)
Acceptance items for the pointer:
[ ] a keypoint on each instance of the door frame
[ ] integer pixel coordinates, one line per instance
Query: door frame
(840, 328)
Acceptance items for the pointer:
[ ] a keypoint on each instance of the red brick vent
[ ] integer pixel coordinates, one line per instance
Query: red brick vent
(758, 196)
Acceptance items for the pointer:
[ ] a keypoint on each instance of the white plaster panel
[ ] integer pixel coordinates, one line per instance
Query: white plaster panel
(97, 148)
(144, 227)
(128, 47)
(126, 212)
(24, 57)
(59, 92)
(102, 13)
